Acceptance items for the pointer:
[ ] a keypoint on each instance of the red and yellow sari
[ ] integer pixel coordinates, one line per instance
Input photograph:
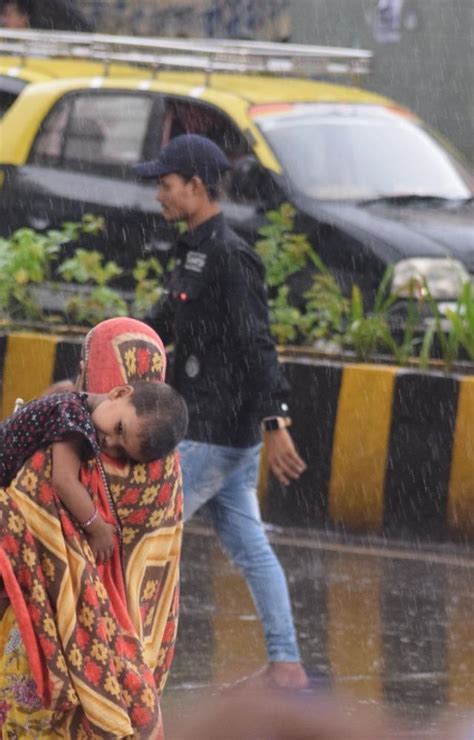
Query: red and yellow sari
(85, 649)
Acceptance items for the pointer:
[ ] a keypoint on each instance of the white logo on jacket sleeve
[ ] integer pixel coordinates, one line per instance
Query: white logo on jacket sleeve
(195, 261)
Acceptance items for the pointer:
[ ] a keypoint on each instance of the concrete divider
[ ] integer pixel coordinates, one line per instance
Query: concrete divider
(389, 450)
(30, 362)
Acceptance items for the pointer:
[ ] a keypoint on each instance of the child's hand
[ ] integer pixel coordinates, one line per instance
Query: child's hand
(101, 537)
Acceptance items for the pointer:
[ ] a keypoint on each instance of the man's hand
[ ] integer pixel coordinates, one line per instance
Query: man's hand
(283, 459)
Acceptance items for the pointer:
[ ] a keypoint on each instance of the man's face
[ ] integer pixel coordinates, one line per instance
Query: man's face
(177, 197)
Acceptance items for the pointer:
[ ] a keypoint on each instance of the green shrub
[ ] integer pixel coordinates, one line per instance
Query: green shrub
(329, 317)
(29, 258)
(325, 316)
(148, 277)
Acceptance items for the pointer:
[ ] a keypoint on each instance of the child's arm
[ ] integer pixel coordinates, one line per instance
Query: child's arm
(76, 498)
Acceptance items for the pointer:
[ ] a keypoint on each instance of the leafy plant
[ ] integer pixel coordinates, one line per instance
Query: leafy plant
(326, 311)
(89, 224)
(282, 251)
(367, 334)
(329, 317)
(286, 321)
(148, 276)
(88, 267)
(462, 321)
(28, 258)
(370, 331)
(100, 300)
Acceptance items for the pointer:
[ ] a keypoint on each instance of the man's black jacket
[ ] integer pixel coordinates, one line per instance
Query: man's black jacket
(215, 312)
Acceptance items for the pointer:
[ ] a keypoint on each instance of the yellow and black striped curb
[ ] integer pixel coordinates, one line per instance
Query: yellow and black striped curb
(389, 451)
(30, 362)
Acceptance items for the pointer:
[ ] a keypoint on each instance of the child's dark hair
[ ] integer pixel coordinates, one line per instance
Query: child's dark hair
(164, 418)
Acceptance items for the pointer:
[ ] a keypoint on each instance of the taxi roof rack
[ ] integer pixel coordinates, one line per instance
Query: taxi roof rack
(200, 54)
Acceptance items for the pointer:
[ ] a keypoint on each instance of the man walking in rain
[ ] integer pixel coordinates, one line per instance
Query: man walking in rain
(226, 367)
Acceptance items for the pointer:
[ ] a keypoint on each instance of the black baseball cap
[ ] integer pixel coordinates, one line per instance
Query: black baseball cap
(188, 155)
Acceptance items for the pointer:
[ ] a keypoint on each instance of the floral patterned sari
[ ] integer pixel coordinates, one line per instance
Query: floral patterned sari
(85, 649)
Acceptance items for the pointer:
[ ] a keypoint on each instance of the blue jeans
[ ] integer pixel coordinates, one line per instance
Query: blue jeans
(224, 479)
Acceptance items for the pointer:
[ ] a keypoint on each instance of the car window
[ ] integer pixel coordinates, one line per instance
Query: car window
(94, 133)
(10, 88)
(47, 149)
(354, 152)
(6, 100)
(185, 117)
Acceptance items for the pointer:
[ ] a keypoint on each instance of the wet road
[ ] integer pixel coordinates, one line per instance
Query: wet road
(391, 626)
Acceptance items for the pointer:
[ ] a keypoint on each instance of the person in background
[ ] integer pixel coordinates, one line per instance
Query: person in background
(53, 15)
(226, 367)
(77, 635)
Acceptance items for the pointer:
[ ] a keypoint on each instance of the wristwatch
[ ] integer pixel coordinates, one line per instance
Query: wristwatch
(270, 423)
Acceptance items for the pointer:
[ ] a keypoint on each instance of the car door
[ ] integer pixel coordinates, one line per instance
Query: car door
(81, 162)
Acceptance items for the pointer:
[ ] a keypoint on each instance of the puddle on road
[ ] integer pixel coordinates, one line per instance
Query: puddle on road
(385, 630)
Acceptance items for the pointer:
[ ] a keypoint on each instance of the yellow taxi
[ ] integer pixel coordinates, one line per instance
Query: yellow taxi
(26, 57)
(371, 184)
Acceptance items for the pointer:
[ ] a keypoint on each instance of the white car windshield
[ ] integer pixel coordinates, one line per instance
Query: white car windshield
(357, 152)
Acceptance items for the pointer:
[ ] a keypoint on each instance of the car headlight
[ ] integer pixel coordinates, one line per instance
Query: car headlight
(444, 277)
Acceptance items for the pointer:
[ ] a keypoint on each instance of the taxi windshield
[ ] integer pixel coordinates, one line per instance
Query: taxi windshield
(357, 152)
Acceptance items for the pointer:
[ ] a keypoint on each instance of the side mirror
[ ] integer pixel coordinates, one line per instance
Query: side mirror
(249, 181)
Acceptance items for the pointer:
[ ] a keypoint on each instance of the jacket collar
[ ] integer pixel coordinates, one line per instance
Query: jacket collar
(205, 232)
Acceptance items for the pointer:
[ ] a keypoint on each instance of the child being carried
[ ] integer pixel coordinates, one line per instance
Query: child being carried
(138, 423)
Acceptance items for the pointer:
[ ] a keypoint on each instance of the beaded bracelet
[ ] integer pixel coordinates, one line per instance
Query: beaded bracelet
(91, 519)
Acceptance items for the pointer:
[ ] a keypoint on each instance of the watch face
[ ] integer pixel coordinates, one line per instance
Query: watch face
(272, 424)
(276, 422)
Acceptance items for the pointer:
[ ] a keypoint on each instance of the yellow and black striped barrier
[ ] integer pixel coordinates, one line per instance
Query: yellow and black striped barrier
(30, 362)
(389, 450)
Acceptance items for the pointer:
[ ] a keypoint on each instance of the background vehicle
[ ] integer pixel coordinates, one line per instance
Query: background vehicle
(371, 184)
(12, 82)
(25, 57)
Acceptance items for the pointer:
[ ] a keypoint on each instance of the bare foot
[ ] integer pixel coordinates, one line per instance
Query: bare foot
(284, 675)
(277, 675)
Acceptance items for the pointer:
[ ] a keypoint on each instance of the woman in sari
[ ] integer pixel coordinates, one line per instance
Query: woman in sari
(84, 648)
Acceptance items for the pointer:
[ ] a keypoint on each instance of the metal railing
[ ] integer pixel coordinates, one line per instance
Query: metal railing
(204, 55)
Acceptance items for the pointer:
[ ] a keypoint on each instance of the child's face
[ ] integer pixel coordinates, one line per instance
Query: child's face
(117, 427)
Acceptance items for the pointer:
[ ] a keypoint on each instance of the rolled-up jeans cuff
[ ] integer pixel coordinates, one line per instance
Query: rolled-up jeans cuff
(284, 656)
